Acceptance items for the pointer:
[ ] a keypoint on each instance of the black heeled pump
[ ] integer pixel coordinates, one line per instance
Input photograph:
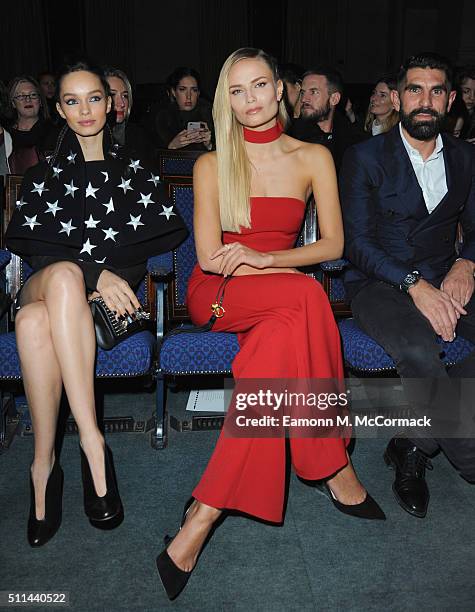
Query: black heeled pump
(41, 531)
(103, 512)
(172, 577)
(367, 509)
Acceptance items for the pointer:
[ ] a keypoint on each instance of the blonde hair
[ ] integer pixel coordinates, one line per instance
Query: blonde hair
(115, 72)
(393, 116)
(234, 170)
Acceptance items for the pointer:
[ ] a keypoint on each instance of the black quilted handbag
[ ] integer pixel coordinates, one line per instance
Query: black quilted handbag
(110, 330)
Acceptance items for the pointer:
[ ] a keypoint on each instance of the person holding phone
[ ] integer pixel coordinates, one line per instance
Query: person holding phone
(186, 123)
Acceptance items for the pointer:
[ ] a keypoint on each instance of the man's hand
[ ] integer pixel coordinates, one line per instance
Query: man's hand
(459, 283)
(116, 293)
(441, 310)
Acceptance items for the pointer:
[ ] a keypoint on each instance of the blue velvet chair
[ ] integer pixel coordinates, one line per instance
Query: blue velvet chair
(176, 164)
(362, 354)
(132, 359)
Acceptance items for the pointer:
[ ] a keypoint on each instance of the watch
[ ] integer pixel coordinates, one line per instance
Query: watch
(410, 280)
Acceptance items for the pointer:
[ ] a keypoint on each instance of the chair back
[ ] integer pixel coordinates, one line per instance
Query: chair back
(176, 165)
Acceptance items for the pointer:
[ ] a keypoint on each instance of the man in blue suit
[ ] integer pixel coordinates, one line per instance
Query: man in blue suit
(403, 195)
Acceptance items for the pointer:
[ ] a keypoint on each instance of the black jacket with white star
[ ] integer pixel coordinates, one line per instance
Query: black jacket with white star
(112, 214)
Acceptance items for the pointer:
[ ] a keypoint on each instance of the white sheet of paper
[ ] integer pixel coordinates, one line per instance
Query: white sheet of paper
(208, 400)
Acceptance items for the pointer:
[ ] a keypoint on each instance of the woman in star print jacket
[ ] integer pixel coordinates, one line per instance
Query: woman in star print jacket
(86, 221)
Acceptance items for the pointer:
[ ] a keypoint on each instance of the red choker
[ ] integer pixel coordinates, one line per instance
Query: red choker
(263, 136)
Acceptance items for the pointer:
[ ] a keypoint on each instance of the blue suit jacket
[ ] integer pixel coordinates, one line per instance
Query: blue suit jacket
(388, 231)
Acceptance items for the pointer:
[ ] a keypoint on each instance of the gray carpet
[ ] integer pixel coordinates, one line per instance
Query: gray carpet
(318, 560)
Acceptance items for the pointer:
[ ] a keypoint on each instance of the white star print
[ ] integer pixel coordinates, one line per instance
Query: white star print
(100, 260)
(70, 189)
(31, 222)
(71, 157)
(91, 222)
(145, 200)
(135, 165)
(91, 191)
(167, 211)
(154, 179)
(125, 185)
(56, 172)
(67, 227)
(53, 208)
(39, 188)
(110, 234)
(110, 206)
(106, 176)
(20, 203)
(134, 221)
(87, 247)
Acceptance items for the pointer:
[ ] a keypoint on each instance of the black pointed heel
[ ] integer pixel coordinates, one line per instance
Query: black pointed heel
(172, 577)
(103, 512)
(41, 531)
(367, 509)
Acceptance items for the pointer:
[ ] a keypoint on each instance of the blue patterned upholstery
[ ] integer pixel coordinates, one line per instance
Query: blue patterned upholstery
(4, 258)
(337, 290)
(185, 256)
(363, 354)
(198, 353)
(160, 265)
(177, 166)
(132, 357)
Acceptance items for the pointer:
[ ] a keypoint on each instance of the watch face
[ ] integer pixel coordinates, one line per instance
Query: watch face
(411, 279)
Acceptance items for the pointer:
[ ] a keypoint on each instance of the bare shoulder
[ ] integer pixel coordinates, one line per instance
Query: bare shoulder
(308, 152)
(206, 165)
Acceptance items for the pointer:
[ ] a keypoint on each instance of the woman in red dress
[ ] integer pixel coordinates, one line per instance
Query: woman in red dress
(249, 206)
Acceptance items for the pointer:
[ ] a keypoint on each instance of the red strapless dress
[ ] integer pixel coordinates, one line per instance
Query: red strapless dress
(286, 329)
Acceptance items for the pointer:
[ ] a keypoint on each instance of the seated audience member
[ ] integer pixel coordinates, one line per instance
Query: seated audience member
(5, 138)
(456, 117)
(32, 132)
(172, 123)
(291, 75)
(125, 132)
(381, 115)
(319, 122)
(47, 82)
(403, 195)
(467, 88)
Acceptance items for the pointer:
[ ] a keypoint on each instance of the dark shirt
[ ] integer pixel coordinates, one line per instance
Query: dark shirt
(343, 135)
(171, 120)
(137, 140)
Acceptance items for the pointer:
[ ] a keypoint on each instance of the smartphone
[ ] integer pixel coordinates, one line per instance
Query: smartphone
(196, 125)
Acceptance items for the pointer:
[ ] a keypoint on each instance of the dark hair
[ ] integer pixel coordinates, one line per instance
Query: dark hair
(179, 73)
(114, 150)
(333, 77)
(389, 79)
(466, 72)
(426, 60)
(292, 73)
(78, 66)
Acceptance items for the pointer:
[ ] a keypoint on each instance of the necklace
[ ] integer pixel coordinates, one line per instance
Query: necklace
(263, 136)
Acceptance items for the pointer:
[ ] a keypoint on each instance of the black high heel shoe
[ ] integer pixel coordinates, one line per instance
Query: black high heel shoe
(41, 531)
(103, 512)
(173, 578)
(367, 509)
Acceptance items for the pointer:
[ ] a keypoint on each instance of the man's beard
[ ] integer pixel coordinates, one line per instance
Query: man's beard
(422, 130)
(317, 115)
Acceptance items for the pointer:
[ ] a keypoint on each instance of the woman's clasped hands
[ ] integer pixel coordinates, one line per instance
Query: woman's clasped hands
(238, 259)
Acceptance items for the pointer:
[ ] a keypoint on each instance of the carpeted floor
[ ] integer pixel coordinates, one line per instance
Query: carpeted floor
(318, 560)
